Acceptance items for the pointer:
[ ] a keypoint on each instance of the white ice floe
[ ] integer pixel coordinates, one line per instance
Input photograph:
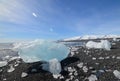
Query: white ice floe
(80, 65)
(104, 44)
(116, 73)
(92, 78)
(38, 50)
(24, 74)
(3, 63)
(11, 69)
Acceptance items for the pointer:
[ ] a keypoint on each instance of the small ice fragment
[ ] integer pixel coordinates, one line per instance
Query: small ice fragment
(11, 69)
(67, 80)
(97, 63)
(80, 65)
(114, 39)
(118, 57)
(76, 80)
(16, 65)
(92, 78)
(93, 58)
(34, 70)
(113, 57)
(71, 77)
(61, 77)
(4, 79)
(70, 69)
(1, 70)
(116, 73)
(85, 69)
(102, 71)
(56, 75)
(75, 73)
(101, 58)
(24, 74)
(72, 53)
(107, 57)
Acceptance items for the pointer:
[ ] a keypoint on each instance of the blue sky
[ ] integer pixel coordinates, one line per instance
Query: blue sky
(56, 19)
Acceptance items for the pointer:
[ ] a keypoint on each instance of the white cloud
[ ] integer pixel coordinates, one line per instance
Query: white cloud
(34, 14)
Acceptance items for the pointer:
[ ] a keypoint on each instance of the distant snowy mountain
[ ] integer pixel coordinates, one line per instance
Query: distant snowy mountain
(86, 37)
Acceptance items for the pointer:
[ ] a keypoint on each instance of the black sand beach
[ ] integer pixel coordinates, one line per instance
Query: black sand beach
(78, 66)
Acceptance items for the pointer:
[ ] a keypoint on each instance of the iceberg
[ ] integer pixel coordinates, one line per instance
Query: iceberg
(38, 50)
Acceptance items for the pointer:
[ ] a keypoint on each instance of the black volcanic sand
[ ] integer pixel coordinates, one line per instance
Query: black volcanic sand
(99, 62)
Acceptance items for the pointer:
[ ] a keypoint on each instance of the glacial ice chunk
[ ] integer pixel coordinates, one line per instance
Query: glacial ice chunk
(52, 66)
(104, 44)
(41, 50)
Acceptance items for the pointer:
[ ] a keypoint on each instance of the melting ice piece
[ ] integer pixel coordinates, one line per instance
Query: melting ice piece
(53, 66)
(41, 50)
